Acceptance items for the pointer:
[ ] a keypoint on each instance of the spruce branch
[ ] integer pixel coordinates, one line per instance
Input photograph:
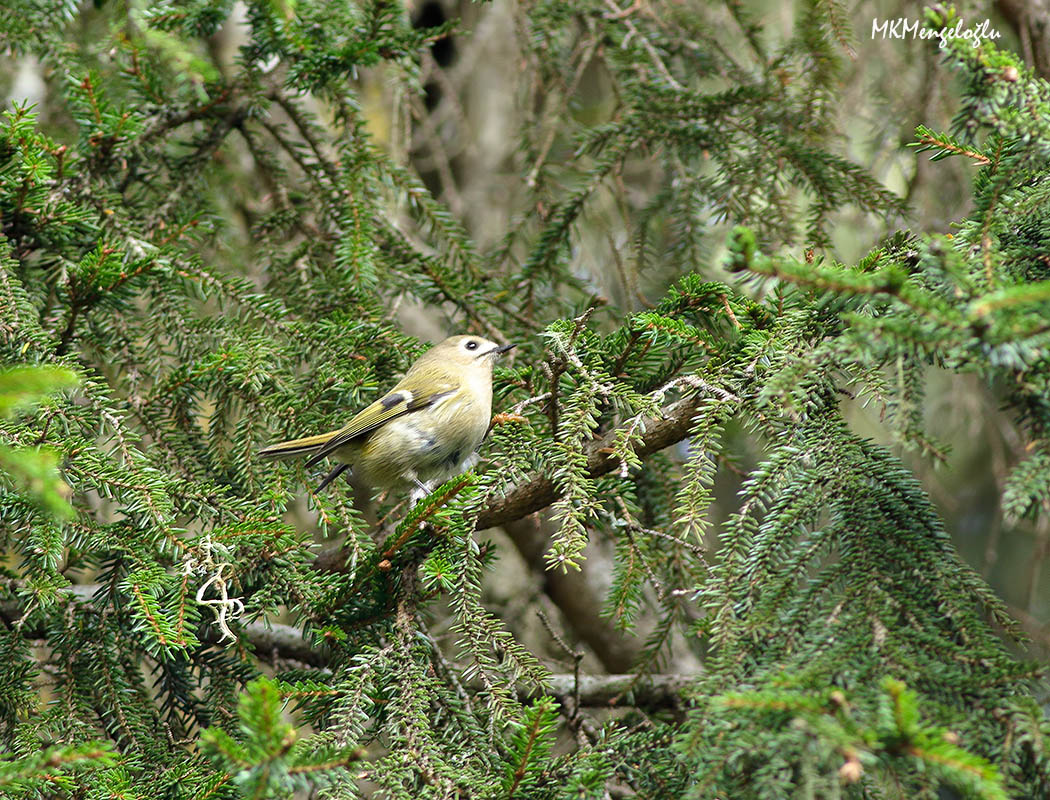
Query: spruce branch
(945, 146)
(539, 492)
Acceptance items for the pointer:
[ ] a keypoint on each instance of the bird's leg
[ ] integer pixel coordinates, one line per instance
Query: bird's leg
(421, 490)
(331, 476)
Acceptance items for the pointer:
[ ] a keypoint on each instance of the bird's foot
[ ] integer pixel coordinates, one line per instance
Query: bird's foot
(421, 491)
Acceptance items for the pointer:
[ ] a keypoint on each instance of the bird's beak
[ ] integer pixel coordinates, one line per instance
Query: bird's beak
(498, 351)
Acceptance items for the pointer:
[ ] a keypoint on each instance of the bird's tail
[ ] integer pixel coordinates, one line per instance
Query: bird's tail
(295, 447)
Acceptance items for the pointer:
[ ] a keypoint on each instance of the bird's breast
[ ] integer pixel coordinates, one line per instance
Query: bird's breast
(431, 443)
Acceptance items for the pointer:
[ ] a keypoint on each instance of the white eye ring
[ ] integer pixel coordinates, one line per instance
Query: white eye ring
(471, 345)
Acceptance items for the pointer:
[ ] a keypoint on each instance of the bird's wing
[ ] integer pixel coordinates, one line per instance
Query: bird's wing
(399, 402)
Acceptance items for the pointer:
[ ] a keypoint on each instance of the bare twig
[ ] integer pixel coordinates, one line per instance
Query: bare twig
(571, 709)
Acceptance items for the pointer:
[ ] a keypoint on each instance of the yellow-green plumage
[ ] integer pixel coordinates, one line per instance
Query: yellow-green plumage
(422, 431)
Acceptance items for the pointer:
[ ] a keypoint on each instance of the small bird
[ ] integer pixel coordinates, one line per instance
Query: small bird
(424, 431)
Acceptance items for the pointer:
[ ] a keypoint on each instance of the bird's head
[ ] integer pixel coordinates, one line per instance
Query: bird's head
(467, 351)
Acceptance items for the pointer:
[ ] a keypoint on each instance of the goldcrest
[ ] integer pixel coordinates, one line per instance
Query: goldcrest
(422, 432)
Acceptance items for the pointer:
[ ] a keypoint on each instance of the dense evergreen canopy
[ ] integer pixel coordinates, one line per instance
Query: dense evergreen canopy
(219, 225)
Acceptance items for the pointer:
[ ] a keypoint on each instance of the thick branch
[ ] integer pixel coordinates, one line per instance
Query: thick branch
(541, 491)
(650, 691)
(274, 642)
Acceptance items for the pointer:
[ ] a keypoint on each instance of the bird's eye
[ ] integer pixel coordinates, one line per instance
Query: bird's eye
(471, 345)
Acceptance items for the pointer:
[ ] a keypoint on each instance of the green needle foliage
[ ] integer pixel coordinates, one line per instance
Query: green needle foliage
(267, 761)
(219, 248)
(31, 469)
